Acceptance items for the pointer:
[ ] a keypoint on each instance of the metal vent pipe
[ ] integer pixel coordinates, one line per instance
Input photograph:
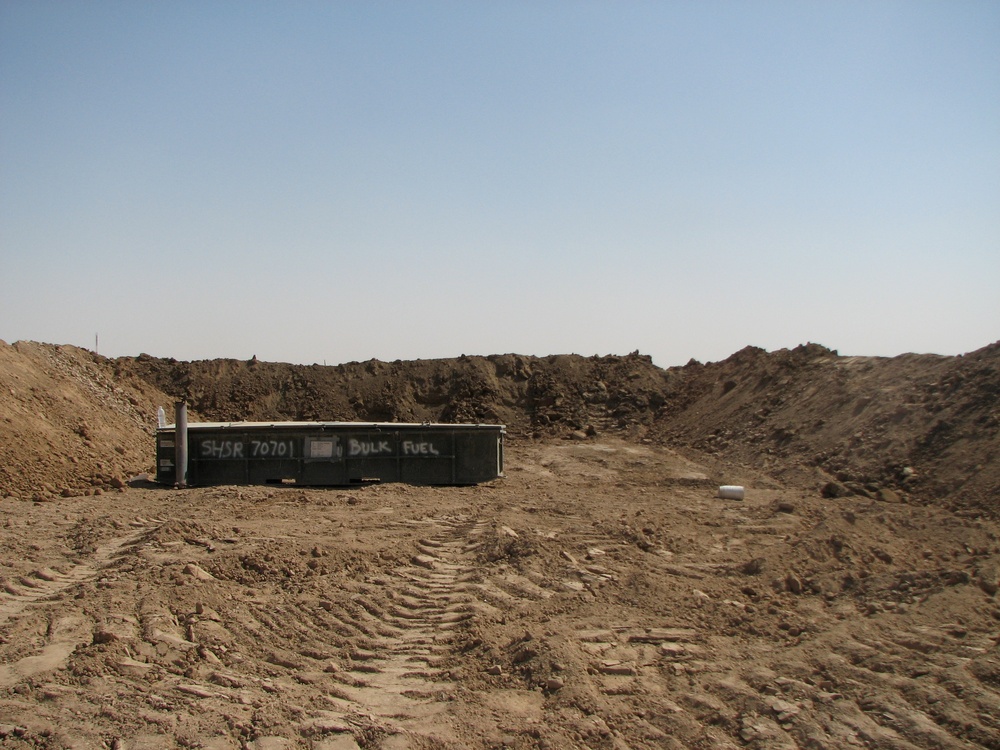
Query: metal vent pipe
(181, 442)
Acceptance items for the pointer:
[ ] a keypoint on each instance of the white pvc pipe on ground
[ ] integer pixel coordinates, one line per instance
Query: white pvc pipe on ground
(731, 492)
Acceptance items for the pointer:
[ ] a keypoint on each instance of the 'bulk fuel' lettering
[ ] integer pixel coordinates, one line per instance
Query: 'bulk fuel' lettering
(237, 449)
(411, 448)
(368, 447)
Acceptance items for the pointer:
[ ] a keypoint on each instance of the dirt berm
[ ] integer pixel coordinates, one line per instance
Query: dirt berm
(923, 425)
(600, 595)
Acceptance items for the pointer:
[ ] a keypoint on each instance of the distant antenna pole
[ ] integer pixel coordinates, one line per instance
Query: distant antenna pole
(97, 349)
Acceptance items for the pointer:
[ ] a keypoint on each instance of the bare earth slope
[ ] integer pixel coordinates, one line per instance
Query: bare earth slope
(598, 596)
(924, 425)
(69, 425)
(526, 393)
(921, 424)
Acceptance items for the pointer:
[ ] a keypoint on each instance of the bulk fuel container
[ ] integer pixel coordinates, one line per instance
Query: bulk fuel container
(332, 453)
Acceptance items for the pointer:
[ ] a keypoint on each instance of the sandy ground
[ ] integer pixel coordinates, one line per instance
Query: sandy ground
(598, 596)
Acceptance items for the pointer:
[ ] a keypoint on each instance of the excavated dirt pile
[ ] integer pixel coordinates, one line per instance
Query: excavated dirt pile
(918, 425)
(922, 425)
(600, 595)
(529, 394)
(70, 425)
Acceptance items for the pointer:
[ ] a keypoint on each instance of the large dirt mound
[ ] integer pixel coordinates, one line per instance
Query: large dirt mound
(529, 394)
(921, 424)
(70, 425)
(913, 427)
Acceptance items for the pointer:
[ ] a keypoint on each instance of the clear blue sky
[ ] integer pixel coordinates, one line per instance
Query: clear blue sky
(337, 181)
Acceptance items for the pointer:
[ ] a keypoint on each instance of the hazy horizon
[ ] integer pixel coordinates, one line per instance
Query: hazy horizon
(486, 355)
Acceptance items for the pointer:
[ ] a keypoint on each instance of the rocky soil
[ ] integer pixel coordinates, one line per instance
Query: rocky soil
(69, 426)
(600, 595)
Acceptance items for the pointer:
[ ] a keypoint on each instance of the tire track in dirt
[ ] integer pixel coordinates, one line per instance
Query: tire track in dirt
(65, 633)
(393, 685)
(907, 688)
(45, 583)
(886, 697)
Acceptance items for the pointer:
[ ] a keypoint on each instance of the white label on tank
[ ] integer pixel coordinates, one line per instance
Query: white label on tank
(321, 449)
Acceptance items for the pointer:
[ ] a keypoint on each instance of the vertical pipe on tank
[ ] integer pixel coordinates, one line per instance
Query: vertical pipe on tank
(181, 442)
